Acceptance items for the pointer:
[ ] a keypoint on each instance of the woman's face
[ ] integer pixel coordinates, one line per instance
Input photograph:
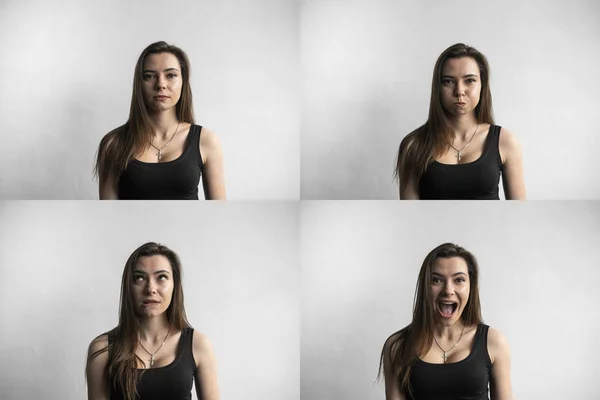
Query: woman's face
(152, 285)
(450, 288)
(161, 81)
(460, 85)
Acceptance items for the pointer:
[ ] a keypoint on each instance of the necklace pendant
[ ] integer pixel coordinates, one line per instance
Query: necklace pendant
(151, 360)
(445, 357)
(458, 157)
(159, 155)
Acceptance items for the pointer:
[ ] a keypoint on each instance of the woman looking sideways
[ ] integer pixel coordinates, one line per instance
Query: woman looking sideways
(447, 352)
(459, 153)
(153, 353)
(159, 153)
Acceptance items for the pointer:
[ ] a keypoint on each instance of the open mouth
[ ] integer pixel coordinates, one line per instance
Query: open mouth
(447, 308)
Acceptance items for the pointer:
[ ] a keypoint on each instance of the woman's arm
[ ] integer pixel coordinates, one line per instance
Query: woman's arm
(392, 389)
(97, 381)
(108, 189)
(407, 190)
(207, 386)
(500, 385)
(512, 161)
(213, 176)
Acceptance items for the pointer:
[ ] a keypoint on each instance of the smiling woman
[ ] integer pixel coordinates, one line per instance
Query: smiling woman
(153, 353)
(459, 153)
(160, 153)
(447, 352)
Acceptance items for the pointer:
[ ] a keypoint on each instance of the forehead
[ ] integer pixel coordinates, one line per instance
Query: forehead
(149, 264)
(460, 66)
(449, 265)
(161, 61)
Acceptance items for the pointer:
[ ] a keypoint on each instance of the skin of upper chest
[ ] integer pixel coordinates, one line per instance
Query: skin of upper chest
(458, 353)
(165, 356)
(172, 151)
(470, 153)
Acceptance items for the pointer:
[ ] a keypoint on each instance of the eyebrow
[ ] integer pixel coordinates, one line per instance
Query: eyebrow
(454, 274)
(137, 271)
(168, 69)
(464, 76)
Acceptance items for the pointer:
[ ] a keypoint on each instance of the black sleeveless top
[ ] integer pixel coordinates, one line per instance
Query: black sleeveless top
(467, 379)
(173, 381)
(477, 180)
(171, 180)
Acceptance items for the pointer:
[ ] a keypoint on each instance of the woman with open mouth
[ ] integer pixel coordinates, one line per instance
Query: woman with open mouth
(153, 353)
(447, 352)
(459, 153)
(160, 153)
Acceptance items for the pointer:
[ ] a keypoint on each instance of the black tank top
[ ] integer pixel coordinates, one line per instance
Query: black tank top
(477, 180)
(171, 180)
(173, 381)
(467, 379)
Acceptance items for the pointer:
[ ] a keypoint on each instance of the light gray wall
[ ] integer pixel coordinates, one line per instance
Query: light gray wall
(367, 67)
(538, 284)
(61, 266)
(66, 75)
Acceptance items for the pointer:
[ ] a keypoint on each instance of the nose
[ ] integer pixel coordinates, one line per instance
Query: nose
(448, 289)
(160, 83)
(151, 287)
(459, 91)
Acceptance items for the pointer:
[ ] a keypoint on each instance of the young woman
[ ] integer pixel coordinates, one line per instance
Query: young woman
(159, 153)
(153, 353)
(447, 352)
(459, 153)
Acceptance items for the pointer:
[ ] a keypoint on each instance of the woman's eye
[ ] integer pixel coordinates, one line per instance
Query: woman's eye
(146, 77)
(446, 82)
(162, 277)
(172, 76)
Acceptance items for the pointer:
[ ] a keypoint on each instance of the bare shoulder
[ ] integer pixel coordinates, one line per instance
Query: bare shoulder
(497, 344)
(108, 139)
(392, 343)
(508, 139)
(408, 140)
(209, 138)
(99, 343)
(509, 144)
(202, 344)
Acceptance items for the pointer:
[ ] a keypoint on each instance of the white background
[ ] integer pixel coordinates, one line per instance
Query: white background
(367, 68)
(61, 266)
(66, 76)
(538, 285)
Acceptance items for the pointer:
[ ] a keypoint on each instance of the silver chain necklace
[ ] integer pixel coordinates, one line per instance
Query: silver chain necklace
(458, 156)
(159, 152)
(445, 355)
(160, 347)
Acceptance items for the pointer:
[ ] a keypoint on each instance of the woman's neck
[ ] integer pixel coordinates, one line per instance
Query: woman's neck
(164, 123)
(448, 332)
(154, 329)
(463, 126)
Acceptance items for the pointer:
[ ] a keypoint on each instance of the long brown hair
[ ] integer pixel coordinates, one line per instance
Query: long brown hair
(431, 140)
(121, 367)
(118, 147)
(402, 349)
